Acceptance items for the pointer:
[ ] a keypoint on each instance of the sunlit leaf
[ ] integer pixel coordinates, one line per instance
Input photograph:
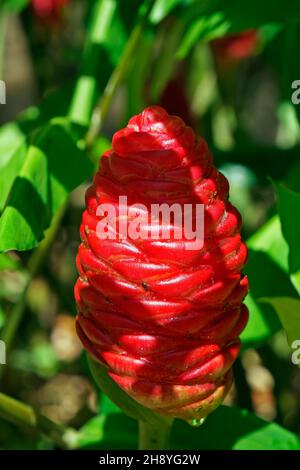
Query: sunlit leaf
(112, 431)
(12, 150)
(267, 270)
(53, 167)
(245, 432)
(289, 211)
(288, 310)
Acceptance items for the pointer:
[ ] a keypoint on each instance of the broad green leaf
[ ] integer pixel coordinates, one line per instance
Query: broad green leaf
(262, 324)
(120, 398)
(289, 211)
(12, 151)
(225, 429)
(10, 138)
(92, 431)
(107, 406)
(111, 431)
(26, 213)
(267, 270)
(233, 428)
(288, 310)
(53, 167)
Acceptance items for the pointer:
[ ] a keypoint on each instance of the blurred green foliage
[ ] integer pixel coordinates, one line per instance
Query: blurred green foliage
(67, 70)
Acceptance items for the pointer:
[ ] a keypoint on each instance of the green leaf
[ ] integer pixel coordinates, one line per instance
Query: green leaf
(12, 150)
(225, 429)
(267, 270)
(233, 428)
(288, 310)
(92, 432)
(10, 138)
(120, 398)
(53, 167)
(26, 215)
(289, 211)
(108, 432)
(107, 406)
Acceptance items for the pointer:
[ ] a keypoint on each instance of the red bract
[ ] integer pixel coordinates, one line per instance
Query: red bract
(162, 318)
(49, 11)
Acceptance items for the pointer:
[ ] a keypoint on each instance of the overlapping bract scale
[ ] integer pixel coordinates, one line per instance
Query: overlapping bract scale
(164, 319)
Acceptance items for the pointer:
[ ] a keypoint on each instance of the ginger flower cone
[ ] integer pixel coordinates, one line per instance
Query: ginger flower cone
(162, 317)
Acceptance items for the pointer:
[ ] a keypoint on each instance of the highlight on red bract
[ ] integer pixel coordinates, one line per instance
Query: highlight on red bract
(163, 319)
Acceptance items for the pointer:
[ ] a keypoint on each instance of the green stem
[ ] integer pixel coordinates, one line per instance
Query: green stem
(83, 100)
(135, 89)
(166, 61)
(154, 437)
(25, 416)
(118, 74)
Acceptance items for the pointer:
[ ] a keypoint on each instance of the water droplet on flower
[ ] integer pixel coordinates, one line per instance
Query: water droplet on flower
(196, 422)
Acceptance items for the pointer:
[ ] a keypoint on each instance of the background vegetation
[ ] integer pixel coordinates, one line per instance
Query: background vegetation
(75, 71)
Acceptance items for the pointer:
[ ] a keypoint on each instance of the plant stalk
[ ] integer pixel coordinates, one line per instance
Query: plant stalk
(118, 74)
(86, 88)
(25, 416)
(154, 437)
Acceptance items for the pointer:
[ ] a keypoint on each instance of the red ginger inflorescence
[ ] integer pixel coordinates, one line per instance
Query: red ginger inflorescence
(162, 318)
